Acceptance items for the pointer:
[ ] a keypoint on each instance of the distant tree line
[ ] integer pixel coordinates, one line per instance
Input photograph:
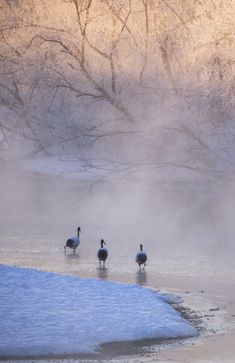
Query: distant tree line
(150, 83)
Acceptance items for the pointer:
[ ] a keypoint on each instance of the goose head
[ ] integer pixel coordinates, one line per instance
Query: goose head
(102, 243)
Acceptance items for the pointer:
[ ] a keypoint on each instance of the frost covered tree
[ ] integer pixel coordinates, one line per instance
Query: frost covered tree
(148, 82)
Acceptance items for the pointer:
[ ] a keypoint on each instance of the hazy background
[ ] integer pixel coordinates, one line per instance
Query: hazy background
(189, 233)
(127, 110)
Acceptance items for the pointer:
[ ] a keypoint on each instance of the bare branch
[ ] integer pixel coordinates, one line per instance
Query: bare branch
(14, 93)
(174, 12)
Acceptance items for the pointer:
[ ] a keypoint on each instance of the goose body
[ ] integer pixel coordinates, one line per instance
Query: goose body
(102, 253)
(141, 257)
(73, 242)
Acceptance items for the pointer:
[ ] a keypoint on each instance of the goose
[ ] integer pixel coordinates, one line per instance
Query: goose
(102, 253)
(73, 242)
(141, 257)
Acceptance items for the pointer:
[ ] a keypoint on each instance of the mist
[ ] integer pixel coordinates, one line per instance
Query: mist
(37, 208)
(118, 119)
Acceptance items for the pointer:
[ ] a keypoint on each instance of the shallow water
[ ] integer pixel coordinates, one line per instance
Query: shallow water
(162, 269)
(39, 213)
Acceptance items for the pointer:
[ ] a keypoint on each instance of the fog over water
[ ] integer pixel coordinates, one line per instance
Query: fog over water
(118, 117)
(184, 233)
(140, 93)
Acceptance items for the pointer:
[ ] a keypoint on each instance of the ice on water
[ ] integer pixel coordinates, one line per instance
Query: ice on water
(45, 313)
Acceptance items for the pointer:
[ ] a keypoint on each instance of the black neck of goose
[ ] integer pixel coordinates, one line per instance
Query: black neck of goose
(102, 243)
(78, 231)
(141, 247)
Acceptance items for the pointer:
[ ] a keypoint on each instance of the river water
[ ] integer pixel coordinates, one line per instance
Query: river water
(181, 232)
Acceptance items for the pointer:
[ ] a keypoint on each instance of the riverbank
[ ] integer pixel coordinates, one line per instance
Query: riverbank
(212, 310)
(38, 213)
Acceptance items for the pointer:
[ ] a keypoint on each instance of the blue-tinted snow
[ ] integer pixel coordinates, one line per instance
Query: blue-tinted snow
(47, 313)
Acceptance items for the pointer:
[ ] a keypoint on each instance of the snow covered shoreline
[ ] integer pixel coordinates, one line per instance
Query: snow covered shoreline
(45, 314)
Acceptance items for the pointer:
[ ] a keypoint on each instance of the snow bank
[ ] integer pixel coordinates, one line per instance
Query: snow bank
(47, 313)
(57, 166)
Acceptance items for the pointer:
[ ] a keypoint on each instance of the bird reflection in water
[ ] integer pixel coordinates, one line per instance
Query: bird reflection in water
(102, 272)
(72, 258)
(141, 277)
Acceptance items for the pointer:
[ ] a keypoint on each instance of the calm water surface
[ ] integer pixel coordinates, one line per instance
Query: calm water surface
(38, 214)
